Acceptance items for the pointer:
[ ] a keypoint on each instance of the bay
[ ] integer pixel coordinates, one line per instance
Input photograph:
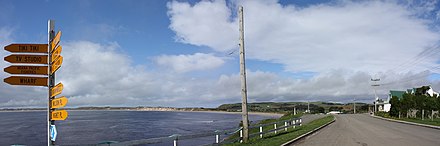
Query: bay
(93, 127)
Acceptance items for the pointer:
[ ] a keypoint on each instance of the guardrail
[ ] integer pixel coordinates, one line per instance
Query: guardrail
(285, 124)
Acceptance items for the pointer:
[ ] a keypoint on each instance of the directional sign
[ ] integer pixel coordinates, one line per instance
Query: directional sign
(59, 102)
(59, 115)
(31, 70)
(56, 53)
(33, 59)
(27, 48)
(56, 40)
(53, 132)
(29, 81)
(57, 89)
(56, 64)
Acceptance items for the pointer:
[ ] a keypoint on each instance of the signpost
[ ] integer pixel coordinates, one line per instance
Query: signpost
(57, 89)
(30, 70)
(56, 53)
(28, 81)
(59, 102)
(59, 115)
(56, 64)
(55, 40)
(50, 56)
(32, 59)
(27, 48)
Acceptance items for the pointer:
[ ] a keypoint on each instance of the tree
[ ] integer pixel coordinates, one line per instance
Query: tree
(395, 106)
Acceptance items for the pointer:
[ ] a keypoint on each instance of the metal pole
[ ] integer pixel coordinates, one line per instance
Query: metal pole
(51, 80)
(243, 78)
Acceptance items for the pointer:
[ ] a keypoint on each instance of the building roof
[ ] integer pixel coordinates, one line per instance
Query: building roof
(398, 94)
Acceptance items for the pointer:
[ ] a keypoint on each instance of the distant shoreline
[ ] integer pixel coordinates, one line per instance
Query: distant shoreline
(275, 115)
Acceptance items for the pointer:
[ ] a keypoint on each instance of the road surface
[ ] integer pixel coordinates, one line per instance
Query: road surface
(363, 130)
(310, 117)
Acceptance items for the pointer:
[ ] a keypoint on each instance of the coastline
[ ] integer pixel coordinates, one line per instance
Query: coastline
(274, 115)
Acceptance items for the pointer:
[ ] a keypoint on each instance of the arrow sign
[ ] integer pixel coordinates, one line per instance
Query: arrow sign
(56, 40)
(29, 81)
(27, 48)
(59, 115)
(56, 53)
(57, 89)
(56, 64)
(32, 70)
(53, 132)
(33, 59)
(59, 102)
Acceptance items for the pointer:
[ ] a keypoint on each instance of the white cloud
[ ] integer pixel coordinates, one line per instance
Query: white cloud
(187, 63)
(369, 36)
(98, 74)
(342, 42)
(192, 24)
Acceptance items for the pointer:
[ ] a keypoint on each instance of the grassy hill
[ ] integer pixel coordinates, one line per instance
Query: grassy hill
(284, 107)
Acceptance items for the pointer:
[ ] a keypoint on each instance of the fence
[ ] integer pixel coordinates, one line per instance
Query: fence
(277, 126)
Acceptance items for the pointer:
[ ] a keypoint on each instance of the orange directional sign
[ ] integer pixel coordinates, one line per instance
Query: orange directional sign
(32, 70)
(56, 53)
(59, 115)
(56, 64)
(33, 59)
(56, 90)
(27, 48)
(59, 102)
(56, 40)
(29, 81)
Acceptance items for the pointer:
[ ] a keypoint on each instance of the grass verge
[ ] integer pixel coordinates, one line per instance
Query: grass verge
(434, 122)
(285, 136)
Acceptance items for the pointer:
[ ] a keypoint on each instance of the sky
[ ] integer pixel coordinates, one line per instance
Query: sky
(185, 53)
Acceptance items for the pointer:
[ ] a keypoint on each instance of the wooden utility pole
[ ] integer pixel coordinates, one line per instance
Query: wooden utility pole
(243, 78)
(354, 106)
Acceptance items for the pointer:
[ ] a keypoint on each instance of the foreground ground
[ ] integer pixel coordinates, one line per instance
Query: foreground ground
(361, 129)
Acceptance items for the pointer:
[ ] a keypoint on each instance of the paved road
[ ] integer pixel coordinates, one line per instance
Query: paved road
(310, 117)
(363, 130)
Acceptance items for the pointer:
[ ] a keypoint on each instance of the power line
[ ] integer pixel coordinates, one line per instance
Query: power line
(422, 56)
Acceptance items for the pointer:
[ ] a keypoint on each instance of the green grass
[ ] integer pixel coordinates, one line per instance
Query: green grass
(268, 127)
(285, 136)
(435, 122)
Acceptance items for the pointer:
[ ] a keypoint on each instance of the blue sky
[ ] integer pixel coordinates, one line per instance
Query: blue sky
(178, 53)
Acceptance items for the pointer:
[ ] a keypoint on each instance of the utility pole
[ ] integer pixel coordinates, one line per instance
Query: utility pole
(354, 105)
(243, 78)
(308, 106)
(294, 110)
(375, 93)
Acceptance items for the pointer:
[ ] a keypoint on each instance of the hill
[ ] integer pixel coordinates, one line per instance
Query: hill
(315, 107)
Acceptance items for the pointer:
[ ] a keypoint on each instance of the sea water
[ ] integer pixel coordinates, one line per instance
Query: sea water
(93, 127)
